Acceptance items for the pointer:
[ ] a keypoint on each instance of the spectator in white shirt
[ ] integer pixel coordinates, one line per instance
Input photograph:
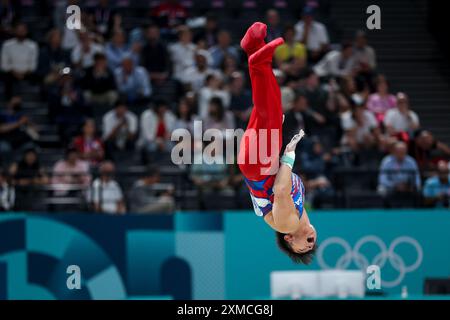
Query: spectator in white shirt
(119, 129)
(83, 53)
(182, 52)
(401, 118)
(105, 193)
(313, 34)
(336, 63)
(195, 76)
(156, 128)
(19, 59)
(212, 89)
(360, 129)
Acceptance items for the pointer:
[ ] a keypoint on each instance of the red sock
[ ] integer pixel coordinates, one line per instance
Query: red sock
(254, 38)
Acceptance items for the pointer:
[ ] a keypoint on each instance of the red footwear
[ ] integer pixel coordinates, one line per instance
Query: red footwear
(265, 54)
(254, 38)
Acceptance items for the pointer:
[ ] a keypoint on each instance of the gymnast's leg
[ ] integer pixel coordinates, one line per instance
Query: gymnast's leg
(267, 111)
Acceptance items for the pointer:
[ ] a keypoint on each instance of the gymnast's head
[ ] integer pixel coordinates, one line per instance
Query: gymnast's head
(299, 245)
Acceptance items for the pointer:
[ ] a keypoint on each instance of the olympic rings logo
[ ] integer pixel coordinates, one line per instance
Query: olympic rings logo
(385, 255)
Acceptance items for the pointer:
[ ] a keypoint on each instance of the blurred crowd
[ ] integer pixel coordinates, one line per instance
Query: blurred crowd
(113, 92)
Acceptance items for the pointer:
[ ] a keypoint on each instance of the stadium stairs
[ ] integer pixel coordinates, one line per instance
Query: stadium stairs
(407, 54)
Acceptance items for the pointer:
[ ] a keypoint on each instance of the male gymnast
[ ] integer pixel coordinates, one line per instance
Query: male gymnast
(276, 192)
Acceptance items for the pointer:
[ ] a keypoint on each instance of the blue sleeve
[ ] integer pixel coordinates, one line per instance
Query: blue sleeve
(429, 190)
(384, 179)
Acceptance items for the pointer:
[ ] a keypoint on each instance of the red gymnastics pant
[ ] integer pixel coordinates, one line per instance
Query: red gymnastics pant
(266, 114)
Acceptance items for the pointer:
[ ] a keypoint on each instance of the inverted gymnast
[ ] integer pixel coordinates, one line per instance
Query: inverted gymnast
(277, 193)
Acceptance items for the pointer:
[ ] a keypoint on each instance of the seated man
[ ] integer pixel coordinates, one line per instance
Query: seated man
(277, 193)
(436, 190)
(398, 172)
(148, 195)
(19, 59)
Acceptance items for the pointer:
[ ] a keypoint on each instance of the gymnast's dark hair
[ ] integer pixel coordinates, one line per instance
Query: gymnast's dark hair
(304, 258)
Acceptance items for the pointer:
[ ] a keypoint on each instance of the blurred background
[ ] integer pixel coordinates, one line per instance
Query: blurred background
(86, 118)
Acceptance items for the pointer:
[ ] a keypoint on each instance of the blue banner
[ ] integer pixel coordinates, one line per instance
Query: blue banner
(207, 255)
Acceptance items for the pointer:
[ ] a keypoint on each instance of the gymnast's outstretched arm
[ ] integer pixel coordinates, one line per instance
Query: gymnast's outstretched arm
(285, 218)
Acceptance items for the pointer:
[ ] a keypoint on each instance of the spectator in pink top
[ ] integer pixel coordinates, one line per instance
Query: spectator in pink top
(71, 171)
(381, 101)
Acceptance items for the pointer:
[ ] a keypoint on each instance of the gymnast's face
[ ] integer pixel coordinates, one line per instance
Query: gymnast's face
(303, 240)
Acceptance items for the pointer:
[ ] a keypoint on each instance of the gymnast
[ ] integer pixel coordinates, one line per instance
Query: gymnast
(277, 193)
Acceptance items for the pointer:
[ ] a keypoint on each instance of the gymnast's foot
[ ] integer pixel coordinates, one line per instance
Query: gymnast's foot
(265, 54)
(254, 38)
(295, 140)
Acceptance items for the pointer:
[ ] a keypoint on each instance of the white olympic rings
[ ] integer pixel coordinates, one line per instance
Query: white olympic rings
(386, 255)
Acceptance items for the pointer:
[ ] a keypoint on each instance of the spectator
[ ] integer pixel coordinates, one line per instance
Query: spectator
(287, 85)
(120, 128)
(169, 14)
(313, 34)
(360, 129)
(83, 53)
(228, 67)
(70, 37)
(182, 53)
(16, 129)
(365, 61)
(148, 195)
(274, 29)
(156, 127)
(155, 56)
(88, 145)
(401, 119)
(9, 15)
(133, 82)
(315, 161)
(7, 193)
(211, 173)
(99, 83)
(207, 37)
(222, 49)
(105, 193)
(185, 116)
(337, 64)
(213, 88)
(117, 49)
(66, 105)
(241, 100)
(19, 59)
(436, 190)
(106, 20)
(381, 101)
(320, 102)
(364, 54)
(218, 117)
(28, 171)
(28, 174)
(301, 116)
(195, 76)
(53, 57)
(290, 57)
(398, 172)
(427, 150)
(70, 172)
